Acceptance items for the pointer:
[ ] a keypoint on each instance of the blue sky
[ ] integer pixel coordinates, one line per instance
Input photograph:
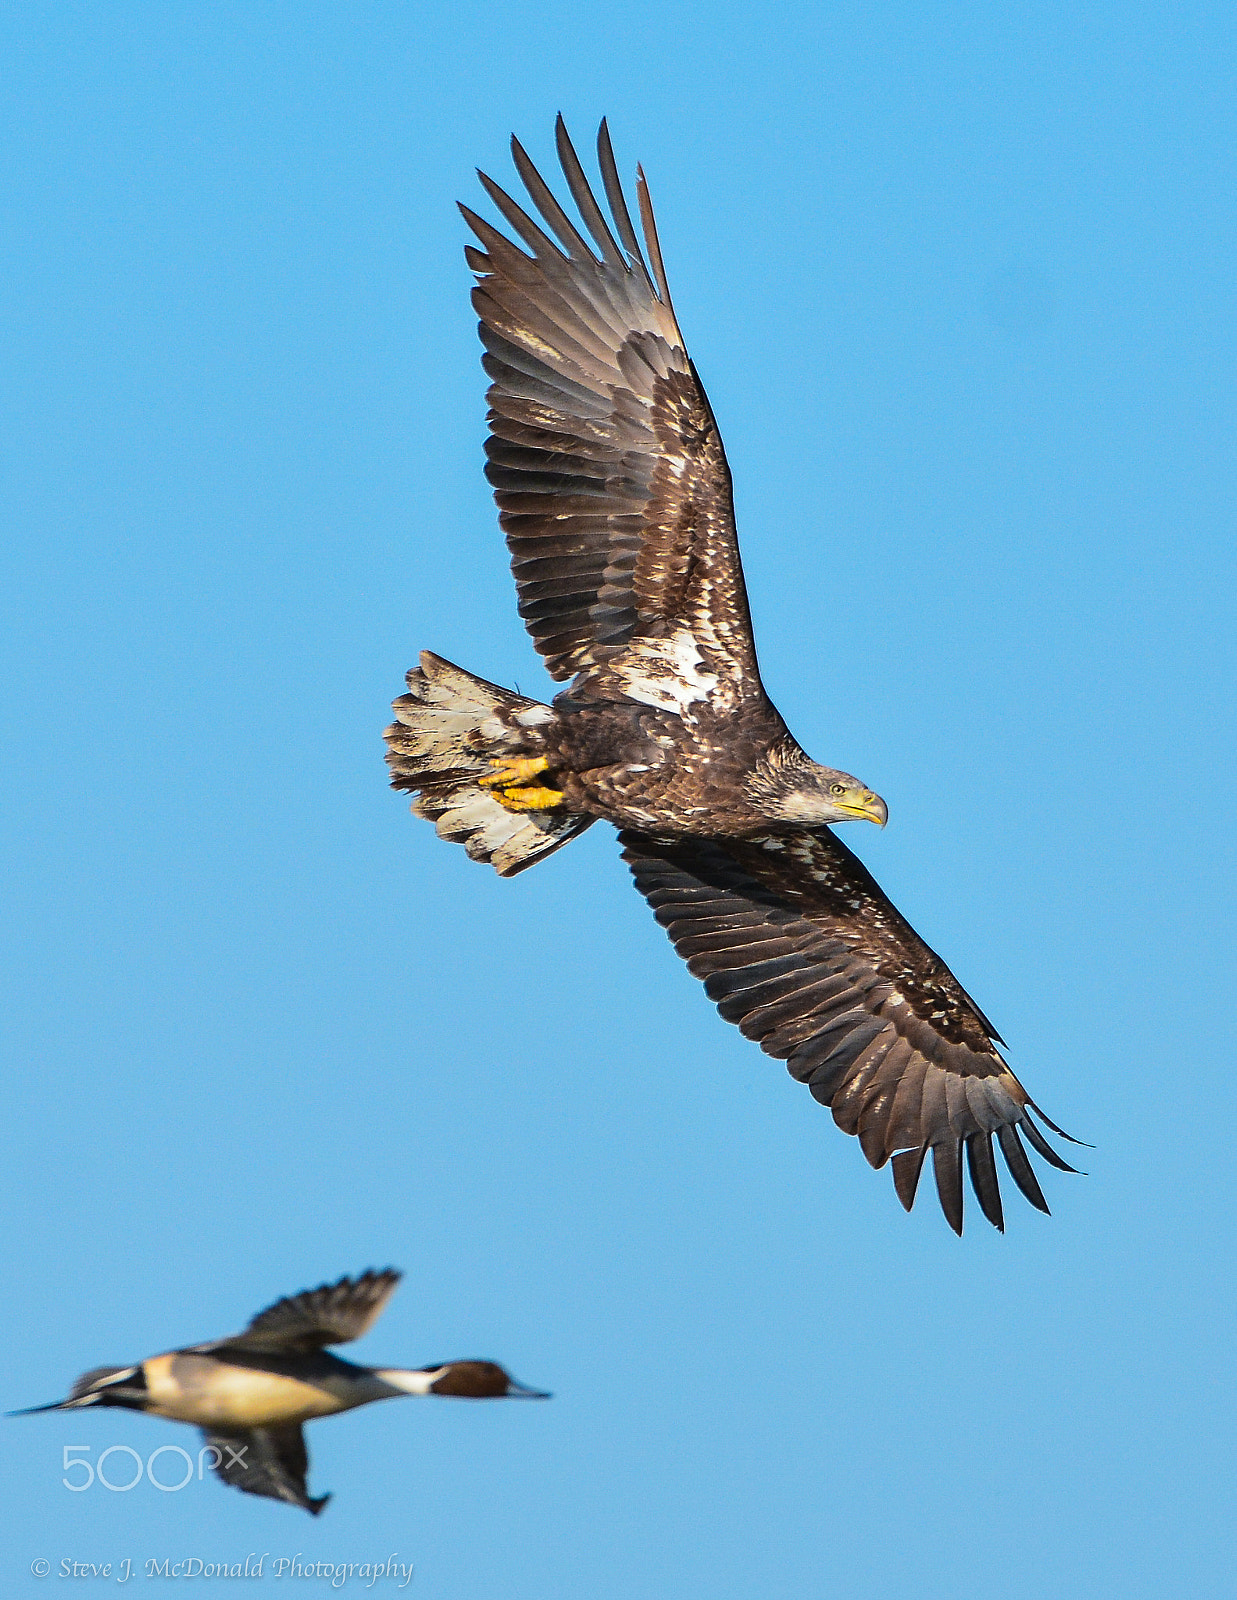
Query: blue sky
(959, 281)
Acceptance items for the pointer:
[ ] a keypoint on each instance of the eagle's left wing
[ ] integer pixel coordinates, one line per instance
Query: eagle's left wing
(607, 465)
(798, 945)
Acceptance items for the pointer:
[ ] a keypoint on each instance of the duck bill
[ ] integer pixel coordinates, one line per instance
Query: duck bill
(521, 1391)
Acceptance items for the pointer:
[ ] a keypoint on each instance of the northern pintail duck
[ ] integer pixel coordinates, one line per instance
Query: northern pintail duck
(251, 1393)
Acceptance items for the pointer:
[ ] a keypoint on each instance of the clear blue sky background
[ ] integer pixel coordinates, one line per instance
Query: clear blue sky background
(959, 279)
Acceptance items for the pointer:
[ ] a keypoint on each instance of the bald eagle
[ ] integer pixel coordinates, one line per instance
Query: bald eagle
(615, 497)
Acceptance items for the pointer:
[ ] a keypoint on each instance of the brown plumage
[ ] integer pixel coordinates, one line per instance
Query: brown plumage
(615, 497)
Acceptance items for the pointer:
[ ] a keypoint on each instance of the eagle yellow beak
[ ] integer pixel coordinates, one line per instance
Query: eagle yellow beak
(867, 807)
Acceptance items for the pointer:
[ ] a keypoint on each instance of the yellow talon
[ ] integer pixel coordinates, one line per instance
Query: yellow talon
(527, 799)
(512, 773)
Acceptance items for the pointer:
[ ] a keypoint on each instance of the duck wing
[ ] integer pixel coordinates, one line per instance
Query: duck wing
(266, 1461)
(334, 1313)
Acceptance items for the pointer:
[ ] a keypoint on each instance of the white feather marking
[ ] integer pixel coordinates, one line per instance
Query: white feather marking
(665, 672)
(534, 716)
(409, 1382)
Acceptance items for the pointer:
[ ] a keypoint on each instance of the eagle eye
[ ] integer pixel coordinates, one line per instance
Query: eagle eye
(837, 788)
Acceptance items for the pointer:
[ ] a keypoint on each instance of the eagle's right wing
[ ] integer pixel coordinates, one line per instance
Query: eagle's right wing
(799, 946)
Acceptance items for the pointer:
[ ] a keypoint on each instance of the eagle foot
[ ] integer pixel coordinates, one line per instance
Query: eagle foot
(510, 774)
(528, 798)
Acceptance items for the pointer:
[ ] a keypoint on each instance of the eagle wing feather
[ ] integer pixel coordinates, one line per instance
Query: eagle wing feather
(608, 469)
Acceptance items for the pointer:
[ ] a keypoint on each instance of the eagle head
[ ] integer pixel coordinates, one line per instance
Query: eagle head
(787, 786)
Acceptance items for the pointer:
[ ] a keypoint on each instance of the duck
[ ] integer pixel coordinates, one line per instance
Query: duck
(252, 1392)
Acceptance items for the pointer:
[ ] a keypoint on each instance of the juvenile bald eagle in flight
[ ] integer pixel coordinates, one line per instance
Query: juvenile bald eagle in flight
(615, 497)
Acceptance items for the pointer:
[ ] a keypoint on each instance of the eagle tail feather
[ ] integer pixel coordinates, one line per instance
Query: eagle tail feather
(451, 730)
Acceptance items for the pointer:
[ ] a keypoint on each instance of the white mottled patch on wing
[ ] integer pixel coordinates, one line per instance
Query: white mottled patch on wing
(665, 673)
(534, 717)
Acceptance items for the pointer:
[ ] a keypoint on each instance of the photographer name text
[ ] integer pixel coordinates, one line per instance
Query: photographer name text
(265, 1566)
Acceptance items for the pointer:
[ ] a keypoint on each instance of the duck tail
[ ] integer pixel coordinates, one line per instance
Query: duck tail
(101, 1386)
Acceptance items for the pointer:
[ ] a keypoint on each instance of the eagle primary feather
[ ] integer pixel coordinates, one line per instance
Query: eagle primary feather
(614, 494)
